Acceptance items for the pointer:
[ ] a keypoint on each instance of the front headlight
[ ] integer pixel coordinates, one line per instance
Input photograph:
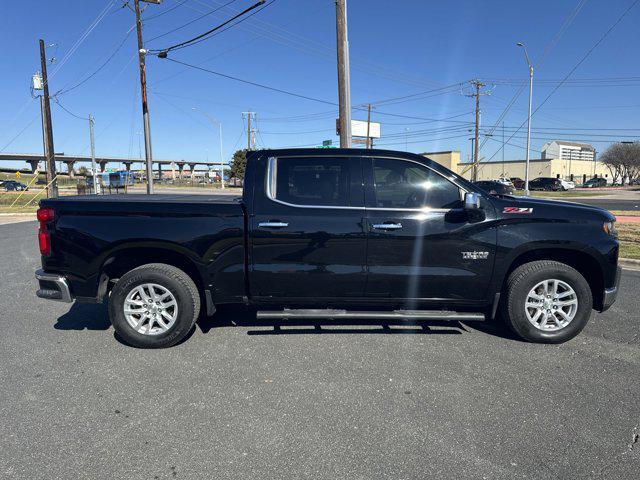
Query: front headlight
(609, 228)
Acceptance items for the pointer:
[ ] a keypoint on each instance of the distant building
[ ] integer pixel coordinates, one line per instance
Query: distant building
(577, 170)
(568, 151)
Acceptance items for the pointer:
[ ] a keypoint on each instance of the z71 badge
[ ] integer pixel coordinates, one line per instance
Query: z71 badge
(475, 255)
(520, 210)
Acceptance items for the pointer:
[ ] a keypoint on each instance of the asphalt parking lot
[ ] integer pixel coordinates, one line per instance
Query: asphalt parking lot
(243, 400)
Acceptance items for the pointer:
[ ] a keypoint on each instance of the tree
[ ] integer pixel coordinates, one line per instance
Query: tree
(623, 161)
(83, 171)
(239, 164)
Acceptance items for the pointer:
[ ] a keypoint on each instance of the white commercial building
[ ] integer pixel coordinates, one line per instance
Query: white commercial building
(568, 151)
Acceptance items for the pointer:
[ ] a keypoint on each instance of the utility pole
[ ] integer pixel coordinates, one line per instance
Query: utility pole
(503, 149)
(96, 184)
(478, 85)
(143, 90)
(344, 82)
(369, 142)
(251, 139)
(49, 155)
(221, 159)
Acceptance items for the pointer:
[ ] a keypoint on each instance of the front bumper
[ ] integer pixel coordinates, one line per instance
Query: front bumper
(609, 295)
(53, 287)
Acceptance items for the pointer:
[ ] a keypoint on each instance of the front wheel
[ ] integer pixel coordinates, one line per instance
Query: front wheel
(547, 302)
(154, 306)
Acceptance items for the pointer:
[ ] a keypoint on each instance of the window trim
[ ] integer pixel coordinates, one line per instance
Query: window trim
(423, 209)
(271, 184)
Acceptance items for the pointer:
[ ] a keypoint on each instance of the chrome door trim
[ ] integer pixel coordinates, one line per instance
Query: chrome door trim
(273, 224)
(271, 186)
(387, 226)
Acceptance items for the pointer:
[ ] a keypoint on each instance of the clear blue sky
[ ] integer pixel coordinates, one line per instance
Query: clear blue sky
(397, 48)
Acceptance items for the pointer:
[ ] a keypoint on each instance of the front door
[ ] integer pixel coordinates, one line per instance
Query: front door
(422, 245)
(307, 232)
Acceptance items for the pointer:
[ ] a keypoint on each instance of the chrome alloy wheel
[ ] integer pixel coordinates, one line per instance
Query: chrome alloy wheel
(150, 309)
(551, 305)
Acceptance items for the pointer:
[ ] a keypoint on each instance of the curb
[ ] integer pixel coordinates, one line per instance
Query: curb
(630, 263)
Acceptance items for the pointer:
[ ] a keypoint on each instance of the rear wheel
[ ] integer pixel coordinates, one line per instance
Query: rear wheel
(154, 306)
(547, 302)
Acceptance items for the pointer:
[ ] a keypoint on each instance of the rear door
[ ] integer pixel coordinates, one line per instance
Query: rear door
(307, 231)
(422, 245)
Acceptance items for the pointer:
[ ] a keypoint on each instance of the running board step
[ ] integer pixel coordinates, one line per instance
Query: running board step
(373, 315)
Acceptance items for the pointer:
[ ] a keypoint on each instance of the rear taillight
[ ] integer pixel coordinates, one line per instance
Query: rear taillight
(44, 215)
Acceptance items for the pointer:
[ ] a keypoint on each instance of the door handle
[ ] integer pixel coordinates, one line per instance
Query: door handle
(273, 224)
(387, 226)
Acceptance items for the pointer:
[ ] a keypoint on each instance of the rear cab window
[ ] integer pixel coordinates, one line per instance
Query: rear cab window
(331, 181)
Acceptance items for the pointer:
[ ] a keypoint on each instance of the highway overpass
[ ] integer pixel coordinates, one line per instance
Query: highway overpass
(71, 160)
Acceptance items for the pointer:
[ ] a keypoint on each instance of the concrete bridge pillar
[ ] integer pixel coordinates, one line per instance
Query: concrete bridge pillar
(127, 166)
(34, 165)
(103, 165)
(70, 164)
(192, 168)
(159, 171)
(180, 169)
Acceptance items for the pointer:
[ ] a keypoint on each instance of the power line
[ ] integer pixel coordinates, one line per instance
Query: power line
(69, 111)
(563, 28)
(170, 9)
(204, 36)
(104, 64)
(248, 82)
(206, 14)
(580, 62)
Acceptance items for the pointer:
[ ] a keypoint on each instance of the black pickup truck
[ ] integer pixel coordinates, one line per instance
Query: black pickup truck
(338, 234)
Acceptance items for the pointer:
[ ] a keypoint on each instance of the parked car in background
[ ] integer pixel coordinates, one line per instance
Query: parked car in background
(517, 182)
(595, 183)
(493, 187)
(504, 181)
(567, 184)
(12, 185)
(547, 184)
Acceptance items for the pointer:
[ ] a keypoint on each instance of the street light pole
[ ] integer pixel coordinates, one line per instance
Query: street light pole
(96, 184)
(214, 121)
(526, 173)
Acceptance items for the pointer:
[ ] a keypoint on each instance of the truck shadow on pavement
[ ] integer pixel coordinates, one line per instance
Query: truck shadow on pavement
(95, 317)
(84, 316)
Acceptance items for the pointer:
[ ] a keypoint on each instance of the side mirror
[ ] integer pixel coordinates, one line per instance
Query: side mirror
(471, 201)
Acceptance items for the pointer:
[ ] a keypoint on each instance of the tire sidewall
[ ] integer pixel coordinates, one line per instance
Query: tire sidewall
(135, 278)
(518, 296)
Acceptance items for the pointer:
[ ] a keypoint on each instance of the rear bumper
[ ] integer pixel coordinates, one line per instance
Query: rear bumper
(53, 287)
(610, 294)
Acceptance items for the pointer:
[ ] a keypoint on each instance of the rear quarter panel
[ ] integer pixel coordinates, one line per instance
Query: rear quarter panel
(86, 234)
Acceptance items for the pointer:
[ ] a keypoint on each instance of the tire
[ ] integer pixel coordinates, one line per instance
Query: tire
(518, 288)
(158, 332)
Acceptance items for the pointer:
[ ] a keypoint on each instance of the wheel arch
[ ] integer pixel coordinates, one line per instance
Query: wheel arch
(581, 260)
(126, 258)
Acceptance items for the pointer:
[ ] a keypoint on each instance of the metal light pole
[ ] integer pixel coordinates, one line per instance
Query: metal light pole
(96, 184)
(214, 121)
(526, 173)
